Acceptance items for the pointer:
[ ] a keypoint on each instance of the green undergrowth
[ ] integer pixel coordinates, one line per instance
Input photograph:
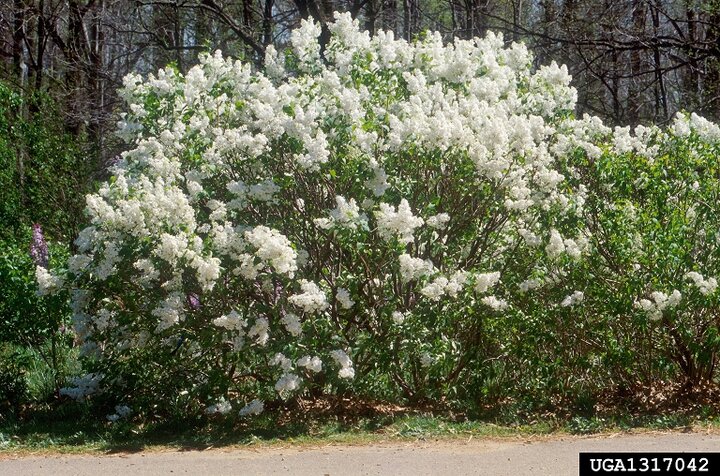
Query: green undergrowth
(71, 428)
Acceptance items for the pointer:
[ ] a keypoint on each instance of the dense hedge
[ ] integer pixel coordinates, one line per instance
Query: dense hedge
(411, 221)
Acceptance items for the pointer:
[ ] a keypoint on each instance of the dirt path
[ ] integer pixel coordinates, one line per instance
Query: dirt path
(557, 456)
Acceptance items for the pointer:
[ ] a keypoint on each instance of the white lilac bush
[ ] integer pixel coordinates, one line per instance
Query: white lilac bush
(645, 313)
(323, 220)
(653, 211)
(365, 218)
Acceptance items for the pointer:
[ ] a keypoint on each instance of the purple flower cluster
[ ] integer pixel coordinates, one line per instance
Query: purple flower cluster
(193, 301)
(38, 247)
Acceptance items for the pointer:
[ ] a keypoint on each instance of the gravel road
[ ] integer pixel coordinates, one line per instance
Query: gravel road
(544, 456)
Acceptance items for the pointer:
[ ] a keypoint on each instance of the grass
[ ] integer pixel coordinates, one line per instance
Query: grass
(71, 429)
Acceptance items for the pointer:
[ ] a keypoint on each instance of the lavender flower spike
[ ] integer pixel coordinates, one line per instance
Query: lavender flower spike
(38, 247)
(193, 301)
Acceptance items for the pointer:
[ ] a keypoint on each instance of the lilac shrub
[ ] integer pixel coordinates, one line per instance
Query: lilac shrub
(329, 224)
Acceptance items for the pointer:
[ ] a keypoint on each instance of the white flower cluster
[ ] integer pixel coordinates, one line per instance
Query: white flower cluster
(47, 282)
(684, 125)
(273, 248)
(439, 221)
(292, 324)
(706, 286)
(343, 297)
(345, 215)
(312, 299)
(575, 298)
(530, 284)
(82, 386)
(442, 286)
(398, 317)
(378, 184)
(313, 364)
(557, 245)
(343, 360)
(414, 268)
(222, 407)
(259, 331)
(659, 302)
(121, 411)
(400, 222)
(170, 311)
(231, 321)
(255, 407)
(485, 281)
(287, 383)
(281, 361)
(426, 360)
(495, 303)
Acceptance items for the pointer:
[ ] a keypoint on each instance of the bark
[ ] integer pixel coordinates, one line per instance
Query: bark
(371, 16)
(268, 22)
(18, 58)
(635, 102)
(389, 16)
(661, 108)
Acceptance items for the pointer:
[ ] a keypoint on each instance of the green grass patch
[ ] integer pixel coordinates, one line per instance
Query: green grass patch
(71, 428)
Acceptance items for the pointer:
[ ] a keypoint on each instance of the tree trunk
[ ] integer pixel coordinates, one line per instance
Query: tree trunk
(370, 16)
(389, 16)
(635, 101)
(18, 56)
(268, 22)
(661, 108)
(406, 20)
(692, 76)
(711, 83)
(41, 42)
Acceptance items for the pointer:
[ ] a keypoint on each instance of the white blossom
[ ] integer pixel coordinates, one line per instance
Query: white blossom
(495, 303)
(485, 281)
(273, 247)
(556, 246)
(343, 360)
(47, 282)
(378, 184)
(292, 324)
(530, 284)
(439, 221)
(414, 268)
(706, 286)
(259, 331)
(572, 299)
(222, 407)
(436, 289)
(347, 214)
(281, 361)
(426, 360)
(343, 297)
(255, 407)
(400, 223)
(82, 386)
(658, 303)
(312, 299)
(314, 364)
(287, 383)
(232, 321)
